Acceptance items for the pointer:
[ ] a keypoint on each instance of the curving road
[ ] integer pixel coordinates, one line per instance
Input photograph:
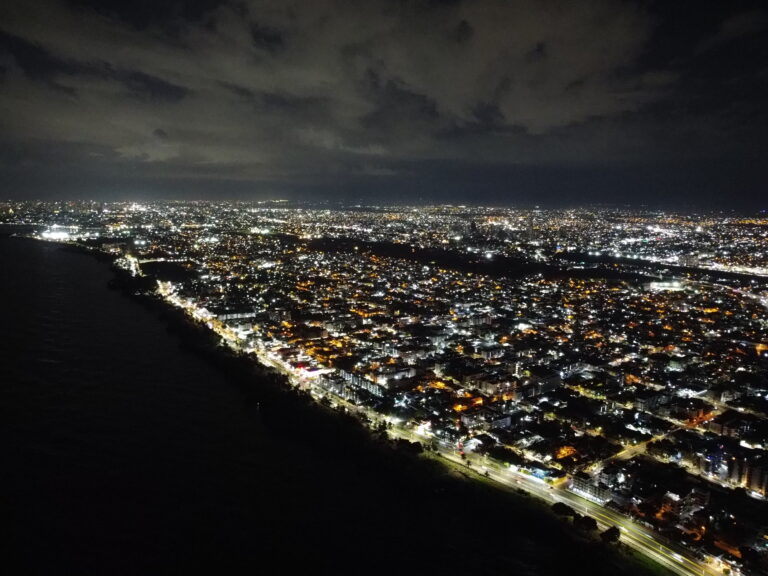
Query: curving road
(636, 536)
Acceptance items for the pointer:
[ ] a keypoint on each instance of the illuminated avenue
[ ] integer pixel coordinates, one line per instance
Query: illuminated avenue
(615, 361)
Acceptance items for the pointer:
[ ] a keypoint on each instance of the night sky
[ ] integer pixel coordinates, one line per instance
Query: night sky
(502, 102)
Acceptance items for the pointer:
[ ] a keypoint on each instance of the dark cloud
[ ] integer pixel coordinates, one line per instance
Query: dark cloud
(150, 87)
(397, 105)
(239, 91)
(266, 37)
(40, 64)
(748, 23)
(36, 62)
(333, 97)
(144, 14)
(286, 103)
(463, 32)
(538, 52)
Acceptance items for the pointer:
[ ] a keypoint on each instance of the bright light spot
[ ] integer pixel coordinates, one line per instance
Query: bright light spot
(55, 235)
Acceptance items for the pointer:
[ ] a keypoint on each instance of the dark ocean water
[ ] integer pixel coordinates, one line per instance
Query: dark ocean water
(118, 447)
(122, 453)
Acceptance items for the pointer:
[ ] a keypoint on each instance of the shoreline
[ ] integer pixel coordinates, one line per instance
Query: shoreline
(282, 405)
(241, 368)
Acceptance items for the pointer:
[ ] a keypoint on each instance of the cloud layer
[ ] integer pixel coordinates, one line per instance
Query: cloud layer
(301, 95)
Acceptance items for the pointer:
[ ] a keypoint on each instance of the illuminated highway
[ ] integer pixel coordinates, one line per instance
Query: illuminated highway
(634, 535)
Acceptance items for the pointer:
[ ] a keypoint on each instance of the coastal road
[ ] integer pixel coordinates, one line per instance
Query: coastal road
(636, 536)
(633, 534)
